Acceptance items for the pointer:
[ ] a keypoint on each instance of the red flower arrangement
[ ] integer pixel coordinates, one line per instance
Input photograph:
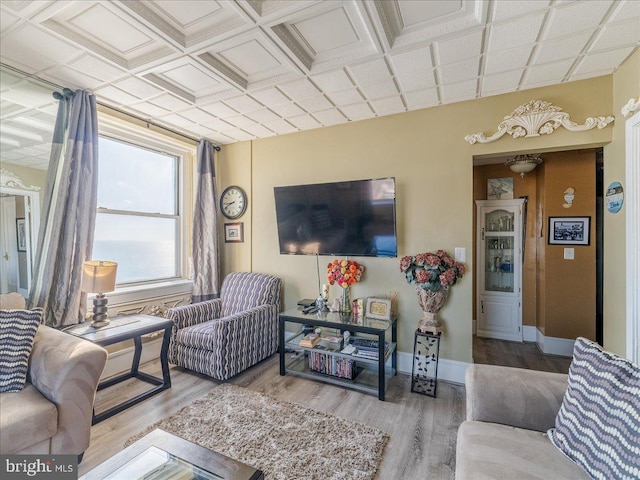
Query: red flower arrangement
(345, 273)
(432, 271)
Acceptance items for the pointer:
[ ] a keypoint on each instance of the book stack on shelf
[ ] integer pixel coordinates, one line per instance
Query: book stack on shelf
(366, 348)
(310, 340)
(332, 365)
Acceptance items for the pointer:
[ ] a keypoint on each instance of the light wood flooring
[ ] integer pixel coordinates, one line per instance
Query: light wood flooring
(422, 429)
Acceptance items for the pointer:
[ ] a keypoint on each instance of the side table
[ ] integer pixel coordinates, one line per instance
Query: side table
(424, 372)
(129, 327)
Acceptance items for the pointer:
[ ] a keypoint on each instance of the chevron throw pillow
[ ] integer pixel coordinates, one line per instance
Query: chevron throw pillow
(17, 331)
(598, 425)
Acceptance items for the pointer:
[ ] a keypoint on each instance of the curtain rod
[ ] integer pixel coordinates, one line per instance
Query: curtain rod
(148, 122)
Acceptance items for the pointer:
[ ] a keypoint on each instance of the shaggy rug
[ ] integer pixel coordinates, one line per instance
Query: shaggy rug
(284, 440)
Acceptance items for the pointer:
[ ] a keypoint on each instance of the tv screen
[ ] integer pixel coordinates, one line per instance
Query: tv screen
(353, 218)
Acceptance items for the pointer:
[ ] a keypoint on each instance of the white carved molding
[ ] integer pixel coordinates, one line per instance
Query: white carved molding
(535, 118)
(631, 107)
(10, 179)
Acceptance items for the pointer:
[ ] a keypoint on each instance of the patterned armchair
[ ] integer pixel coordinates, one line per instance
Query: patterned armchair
(223, 337)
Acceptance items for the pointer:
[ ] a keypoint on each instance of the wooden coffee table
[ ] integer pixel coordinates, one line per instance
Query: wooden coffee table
(169, 456)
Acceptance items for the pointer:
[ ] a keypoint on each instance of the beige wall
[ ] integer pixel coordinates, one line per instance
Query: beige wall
(426, 152)
(626, 84)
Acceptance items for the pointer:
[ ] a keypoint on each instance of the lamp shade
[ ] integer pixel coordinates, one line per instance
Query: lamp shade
(523, 163)
(99, 276)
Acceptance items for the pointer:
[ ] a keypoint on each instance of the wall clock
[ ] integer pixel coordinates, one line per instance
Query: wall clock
(233, 202)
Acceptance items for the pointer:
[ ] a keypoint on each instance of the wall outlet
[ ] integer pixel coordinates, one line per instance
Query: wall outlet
(461, 254)
(569, 254)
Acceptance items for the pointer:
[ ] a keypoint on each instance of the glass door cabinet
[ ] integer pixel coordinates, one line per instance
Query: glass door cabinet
(499, 269)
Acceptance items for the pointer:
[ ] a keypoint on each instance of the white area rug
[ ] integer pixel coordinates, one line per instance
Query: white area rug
(284, 440)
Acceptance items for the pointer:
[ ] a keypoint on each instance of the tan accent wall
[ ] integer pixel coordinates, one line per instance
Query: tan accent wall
(426, 152)
(541, 257)
(626, 84)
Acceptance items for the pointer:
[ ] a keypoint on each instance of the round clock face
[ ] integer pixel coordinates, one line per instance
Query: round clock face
(233, 202)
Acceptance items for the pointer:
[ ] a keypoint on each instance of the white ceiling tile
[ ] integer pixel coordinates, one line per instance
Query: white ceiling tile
(591, 74)
(345, 97)
(72, 78)
(379, 90)
(314, 104)
(417, 60)
(576, 16)
(505, 60)
(617, 35)
(515, 33)
(243, 104)
(264, 115)
(270, 97)
(388, 106)
(330, 117)
(219, 110)
(459, 91)
(332, 81)
(562, 48)
(240, 121)
(170, 102)
(250, 57)
(548, 73)
(179, 121)
(30, 45)
(259, 131)
(421, 98)
(197, 115)
(359, 111)
(370, 73)
(280, 126)
(139, 88)
(305, 122)
(149, 109)
(115, 95)
(299, 89)
(415, 81)
(287, 110)
(626, 9)
(239, 134)
(607, 60)
(7, 20)
(459, 48)
(190, 77)
(220, 138)
(502, 82)
(218, 125)
(459, 71)
(327, 31)
(96, 67)
(505, 9)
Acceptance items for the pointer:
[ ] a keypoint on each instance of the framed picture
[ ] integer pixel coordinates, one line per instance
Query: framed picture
(378, 308)
(21, 234)
(234, 232)
(569, 230)
(500, 188)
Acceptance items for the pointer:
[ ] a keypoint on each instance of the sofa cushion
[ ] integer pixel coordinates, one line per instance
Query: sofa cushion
(17, 330)
(493, 451)
(197, 336)
(27, 418)
(598, 425)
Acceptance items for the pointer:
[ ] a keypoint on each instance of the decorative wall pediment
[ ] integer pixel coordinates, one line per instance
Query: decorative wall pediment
(10, 179)
(631, 107)
(536, 118)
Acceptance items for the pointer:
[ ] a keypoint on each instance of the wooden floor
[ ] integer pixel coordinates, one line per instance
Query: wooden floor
(422, 429)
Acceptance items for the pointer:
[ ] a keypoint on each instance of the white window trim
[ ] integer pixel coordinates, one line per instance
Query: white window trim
(119, 129)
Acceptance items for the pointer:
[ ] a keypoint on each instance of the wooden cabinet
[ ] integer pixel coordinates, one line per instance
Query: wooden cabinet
(499, 269)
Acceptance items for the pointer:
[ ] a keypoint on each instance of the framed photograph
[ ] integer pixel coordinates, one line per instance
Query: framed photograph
(378, 308)
(21, 234)
(569, 230)
(234, 232)
(500, 188)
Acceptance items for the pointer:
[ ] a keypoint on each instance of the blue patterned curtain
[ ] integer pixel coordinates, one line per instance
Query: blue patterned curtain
(206, 249)
(65, 239)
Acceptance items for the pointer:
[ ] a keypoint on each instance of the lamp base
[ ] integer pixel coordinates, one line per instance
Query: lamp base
(100, 317)
(100, 323)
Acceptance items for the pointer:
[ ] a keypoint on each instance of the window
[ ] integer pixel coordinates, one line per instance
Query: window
(138, 222)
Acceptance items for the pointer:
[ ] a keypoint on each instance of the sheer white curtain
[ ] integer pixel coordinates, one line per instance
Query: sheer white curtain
(206, 248)
(66, 231)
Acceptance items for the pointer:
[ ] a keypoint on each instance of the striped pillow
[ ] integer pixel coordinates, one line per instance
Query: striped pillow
(17, 331)
(598, 425)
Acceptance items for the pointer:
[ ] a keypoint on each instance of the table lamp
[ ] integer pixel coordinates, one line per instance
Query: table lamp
(99, 276)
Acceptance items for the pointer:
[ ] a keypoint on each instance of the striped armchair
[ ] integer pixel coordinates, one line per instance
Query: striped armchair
(223, 337)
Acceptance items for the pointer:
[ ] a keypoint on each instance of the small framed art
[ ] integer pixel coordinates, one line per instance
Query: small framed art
(569, 230)
(21, 233)
(234, 232)
(378, 308)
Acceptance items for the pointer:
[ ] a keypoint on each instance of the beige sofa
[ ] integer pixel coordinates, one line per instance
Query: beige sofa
(52, 415)
(508, 412)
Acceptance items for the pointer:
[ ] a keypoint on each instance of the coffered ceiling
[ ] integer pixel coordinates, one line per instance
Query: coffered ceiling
(245, 69)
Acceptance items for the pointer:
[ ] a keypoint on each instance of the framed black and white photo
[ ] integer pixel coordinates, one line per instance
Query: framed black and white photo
(21, 234)
(569, 230)
(234, 232)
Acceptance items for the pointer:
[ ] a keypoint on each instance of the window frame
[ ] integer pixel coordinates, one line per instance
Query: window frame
(143, 137)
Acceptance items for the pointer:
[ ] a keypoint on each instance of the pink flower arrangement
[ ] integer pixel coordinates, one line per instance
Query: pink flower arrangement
(432, 271)
(345, 273)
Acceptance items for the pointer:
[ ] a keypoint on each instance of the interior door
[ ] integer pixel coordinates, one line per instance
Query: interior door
(9, 279)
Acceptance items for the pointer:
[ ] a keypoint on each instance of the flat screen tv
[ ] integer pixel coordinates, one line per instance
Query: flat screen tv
(353, 218)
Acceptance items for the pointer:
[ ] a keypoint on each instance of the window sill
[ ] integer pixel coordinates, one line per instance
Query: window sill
(136, 293)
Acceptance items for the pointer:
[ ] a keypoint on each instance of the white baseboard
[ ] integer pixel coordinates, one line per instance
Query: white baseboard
(554, 345)
(529, 333)
(120, 360)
